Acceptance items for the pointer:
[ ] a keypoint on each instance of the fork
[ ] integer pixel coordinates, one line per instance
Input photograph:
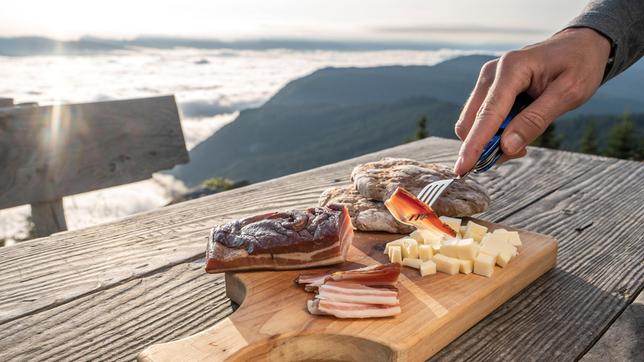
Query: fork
(491, 153)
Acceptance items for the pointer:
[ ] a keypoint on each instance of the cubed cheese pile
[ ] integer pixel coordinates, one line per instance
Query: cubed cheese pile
(474, 250)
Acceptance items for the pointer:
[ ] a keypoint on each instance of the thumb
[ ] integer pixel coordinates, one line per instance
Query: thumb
(534, 119)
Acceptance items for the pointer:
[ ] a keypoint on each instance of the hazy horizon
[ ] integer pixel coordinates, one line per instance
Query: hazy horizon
(414, 21)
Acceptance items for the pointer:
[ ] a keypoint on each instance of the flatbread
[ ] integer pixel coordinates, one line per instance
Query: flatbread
(377, 180)
(366, 215)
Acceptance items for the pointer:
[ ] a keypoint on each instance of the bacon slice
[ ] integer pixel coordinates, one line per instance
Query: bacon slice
(407, 209)
(348, 294)
(351, 310)
(380, 274)
(357, 293)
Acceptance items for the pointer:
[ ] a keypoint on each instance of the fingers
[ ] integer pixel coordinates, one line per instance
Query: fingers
(483, 83)
(559, 97)
(506, 158)
(512, 77)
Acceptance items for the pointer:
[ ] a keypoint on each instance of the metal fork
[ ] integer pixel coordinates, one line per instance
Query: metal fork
(491, 153)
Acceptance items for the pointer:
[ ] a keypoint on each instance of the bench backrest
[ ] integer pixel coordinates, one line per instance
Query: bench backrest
(54, 151)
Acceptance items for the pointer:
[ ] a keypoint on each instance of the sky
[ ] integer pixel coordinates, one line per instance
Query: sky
(397, 20)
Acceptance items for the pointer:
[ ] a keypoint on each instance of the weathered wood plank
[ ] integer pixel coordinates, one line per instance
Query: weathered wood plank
(174, 235)
(155, 230)
(54, 151)
(599, 223)
(87, 329)
(6, 102)
(48, 217)
(624, 340)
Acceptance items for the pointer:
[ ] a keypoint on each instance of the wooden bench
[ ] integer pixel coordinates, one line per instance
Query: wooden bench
(50, 152)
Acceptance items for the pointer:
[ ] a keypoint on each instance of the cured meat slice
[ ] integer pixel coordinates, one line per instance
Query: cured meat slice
(281, 240)
(351, 310)
(406, 208)
(357, 293)
(380, 274)
(343, 294)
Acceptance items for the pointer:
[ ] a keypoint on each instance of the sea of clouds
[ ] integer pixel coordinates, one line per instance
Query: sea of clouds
(210, 86)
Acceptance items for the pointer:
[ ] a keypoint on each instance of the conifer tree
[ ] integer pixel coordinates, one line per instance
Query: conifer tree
(549, 138)
(623, 140)
(421, 131)
(588, 142)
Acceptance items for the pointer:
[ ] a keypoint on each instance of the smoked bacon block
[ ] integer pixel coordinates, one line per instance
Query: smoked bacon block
(292, 239)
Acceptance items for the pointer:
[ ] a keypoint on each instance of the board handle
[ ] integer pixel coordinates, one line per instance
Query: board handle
(218, 343)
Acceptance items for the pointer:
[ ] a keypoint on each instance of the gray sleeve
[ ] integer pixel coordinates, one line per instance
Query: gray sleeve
(622, 22)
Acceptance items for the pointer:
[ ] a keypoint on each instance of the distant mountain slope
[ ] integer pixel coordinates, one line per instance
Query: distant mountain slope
(450, 81)
(338, 113)
(277, 140)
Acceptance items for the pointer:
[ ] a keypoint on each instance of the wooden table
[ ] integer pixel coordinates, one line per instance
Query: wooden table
(106, 292)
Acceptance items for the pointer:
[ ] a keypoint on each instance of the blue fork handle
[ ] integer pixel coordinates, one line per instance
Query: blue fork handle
(492, 151)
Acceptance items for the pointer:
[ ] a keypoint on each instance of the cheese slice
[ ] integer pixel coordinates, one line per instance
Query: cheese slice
(466, 266)
(446, 264)
(395, 254)
(474, 231)
(425, 252)
(409, 248)
(452, 222)
(484, 265)
(427, 268)
(412, 263)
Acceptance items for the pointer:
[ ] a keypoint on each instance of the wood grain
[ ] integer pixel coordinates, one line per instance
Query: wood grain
(272, 322)
(599, 222)
(54, 151)
(153, 245)
(624, 340)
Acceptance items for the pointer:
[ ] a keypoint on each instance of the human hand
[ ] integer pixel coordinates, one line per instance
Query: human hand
(561, 74)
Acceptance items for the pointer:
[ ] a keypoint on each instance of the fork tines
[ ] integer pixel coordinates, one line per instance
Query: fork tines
(432, 192)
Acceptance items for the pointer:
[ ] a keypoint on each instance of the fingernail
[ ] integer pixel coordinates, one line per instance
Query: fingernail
(513, 142)
(457, 165)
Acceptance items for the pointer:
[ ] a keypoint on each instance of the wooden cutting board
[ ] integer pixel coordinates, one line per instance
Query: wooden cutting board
(272, 322)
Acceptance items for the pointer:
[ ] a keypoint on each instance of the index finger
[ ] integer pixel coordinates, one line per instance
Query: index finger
(512, 78)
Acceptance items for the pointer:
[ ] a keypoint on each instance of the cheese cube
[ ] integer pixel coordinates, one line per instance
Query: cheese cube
(424, 236)
(449, 248)
(466, 266)
(452, 222)
(503, 259)
(412, 263)
(393, 243)
(460, 249)
(500, 243)
(427, 268)
(474, 231)
(425, 252)
(484, 265)
(513, 237)
(395, 254)
(418, 236)
(409, 248)
(484, 249)
(446, 264)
